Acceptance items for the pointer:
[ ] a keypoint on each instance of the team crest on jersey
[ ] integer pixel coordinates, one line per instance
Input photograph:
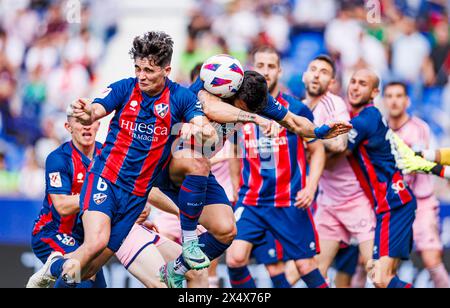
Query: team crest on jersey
(55, 180)
(272, 253)
(162, 110)
(100, 198)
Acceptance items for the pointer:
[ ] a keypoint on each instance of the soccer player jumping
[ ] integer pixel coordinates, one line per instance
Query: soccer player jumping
(137, 146)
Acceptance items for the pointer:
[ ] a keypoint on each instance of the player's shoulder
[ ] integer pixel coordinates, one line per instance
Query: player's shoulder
(60, 156)
(419, 123)
(179, 91)
(333, 102)
(98, 145)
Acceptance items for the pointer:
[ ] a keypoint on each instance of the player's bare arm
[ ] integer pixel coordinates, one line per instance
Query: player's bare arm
(66, 205)
(87, 112)
(306, 196)
(305, 128)
(235, 170)
(216, 110)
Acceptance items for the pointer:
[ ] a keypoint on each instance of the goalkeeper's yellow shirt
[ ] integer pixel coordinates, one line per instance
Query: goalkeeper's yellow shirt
(445, 157)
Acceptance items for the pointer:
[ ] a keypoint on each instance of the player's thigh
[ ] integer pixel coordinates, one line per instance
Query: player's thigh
(328, 252)
(146, 267)
(366, 251)
(169, 250)
(389, 266)
(97, 228)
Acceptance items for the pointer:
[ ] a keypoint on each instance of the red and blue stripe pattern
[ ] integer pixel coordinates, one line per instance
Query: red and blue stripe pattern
(274, 169)
(139, 142)
(49, 217)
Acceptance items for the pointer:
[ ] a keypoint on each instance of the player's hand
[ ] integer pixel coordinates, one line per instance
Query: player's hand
(305, 198)
(406, 158)
(82, 110)
(268, 127)
(338, 128)
(189, 130)
(150, 225)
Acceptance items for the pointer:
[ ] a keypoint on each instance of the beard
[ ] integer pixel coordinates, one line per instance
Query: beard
(316, 93)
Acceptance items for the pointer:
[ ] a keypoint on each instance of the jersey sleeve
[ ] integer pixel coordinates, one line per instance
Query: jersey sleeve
(274, 110)
(359, 133)
(197, 86)
(113, 97)
(306, 113)
(192, 107)
(57, 175)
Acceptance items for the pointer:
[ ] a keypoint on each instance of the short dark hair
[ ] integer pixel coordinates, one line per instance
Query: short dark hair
(195, 72)
(266, 49)
(396, 83)
(254, 91)
(155, 46)
(327, 59)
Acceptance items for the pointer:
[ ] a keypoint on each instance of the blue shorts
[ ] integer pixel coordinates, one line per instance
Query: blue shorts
(294, 228)
(215, 194)
(269, 252)
(394, 233)
(347, 260)
(124, 208)
(48, 241)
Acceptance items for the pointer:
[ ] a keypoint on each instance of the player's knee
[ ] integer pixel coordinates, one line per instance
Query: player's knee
(236, 259)
(432, 261)
(306, 266)
(224, 231)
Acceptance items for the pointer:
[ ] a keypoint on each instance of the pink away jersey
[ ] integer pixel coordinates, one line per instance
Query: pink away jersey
(416, 133)
(338, 184)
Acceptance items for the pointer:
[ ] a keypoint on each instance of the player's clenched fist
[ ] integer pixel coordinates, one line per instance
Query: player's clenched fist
(82, 110)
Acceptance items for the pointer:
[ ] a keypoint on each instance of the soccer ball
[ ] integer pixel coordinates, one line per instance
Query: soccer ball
(222, 75)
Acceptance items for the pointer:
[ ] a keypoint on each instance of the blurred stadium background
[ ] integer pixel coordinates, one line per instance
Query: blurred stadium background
(54, 51)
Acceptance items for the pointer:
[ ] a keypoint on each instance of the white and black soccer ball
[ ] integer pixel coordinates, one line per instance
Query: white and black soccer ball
(222, 75)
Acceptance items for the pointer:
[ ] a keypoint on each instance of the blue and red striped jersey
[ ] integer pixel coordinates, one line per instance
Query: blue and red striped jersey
(140, 135)
(273, 169)
(65, 172)
(370, 141)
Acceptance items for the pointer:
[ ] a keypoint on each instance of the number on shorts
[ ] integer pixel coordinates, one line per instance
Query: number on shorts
(102, 185)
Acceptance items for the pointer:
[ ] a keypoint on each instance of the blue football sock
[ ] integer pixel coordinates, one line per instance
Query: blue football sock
(241, 278)
(280, 282)
(315, 280)
(396, 283)
(56, 268)
(191, 199)
(212, 248)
